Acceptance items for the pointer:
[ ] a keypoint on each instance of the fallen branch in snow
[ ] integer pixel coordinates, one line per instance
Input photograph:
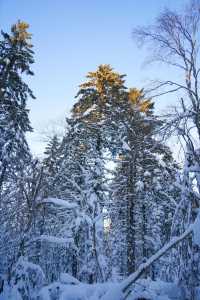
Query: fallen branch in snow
(125, 284)
(133, 277)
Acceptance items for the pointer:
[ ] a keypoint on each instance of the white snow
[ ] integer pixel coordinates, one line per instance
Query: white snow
(68, 279)
(125, 146)
(114, 293)
(146, 288)
(104, 291)
(139, 185)
(147, 173)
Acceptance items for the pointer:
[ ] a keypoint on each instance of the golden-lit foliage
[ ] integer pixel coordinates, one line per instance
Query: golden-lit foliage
(95, 116)
(137, 99)
(102, 81)
(76, 109)
(101, 86)
(82, 106)
(20, 33)
(102, 78)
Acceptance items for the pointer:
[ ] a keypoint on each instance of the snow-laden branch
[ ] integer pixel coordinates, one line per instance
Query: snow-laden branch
(53, 239)
(59, 202)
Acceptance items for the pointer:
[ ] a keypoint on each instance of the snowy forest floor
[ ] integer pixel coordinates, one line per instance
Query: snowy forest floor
(144, 289)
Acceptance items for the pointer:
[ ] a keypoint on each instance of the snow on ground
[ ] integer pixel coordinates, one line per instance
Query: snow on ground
(75, 292)
(69, 288)
(9, 294)
(156, 290)
(146, 288)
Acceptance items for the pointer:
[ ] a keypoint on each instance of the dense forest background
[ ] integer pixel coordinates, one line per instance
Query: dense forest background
(107, 213)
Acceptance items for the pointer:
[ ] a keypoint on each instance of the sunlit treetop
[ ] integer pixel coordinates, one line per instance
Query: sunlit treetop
(20, 35)
(136, 97)
(103, 78)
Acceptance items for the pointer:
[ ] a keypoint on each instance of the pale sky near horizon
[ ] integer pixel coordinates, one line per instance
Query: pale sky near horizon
(71, 38)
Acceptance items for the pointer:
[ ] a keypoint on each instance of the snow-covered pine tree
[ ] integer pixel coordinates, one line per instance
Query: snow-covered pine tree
(16, 57)
(144, 164)
(95, 100)
(85, 185)
(118, 118)
(51, 163)
(16, 195)
(78, 181)
(81, 174)
(18, 212)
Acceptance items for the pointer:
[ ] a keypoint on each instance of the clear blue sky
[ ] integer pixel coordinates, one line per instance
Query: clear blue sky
(72, 37)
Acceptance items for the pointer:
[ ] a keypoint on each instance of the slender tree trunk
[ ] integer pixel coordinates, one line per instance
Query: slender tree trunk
(131, 263)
